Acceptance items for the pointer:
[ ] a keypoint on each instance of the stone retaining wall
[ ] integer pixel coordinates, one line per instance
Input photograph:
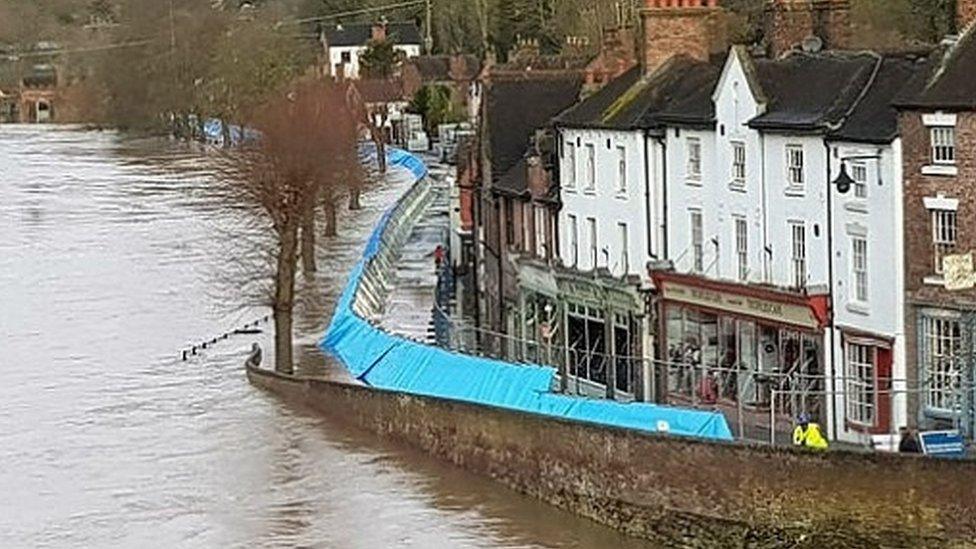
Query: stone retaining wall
(678, 492)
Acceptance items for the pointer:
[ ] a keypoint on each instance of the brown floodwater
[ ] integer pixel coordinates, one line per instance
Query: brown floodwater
(114, 256)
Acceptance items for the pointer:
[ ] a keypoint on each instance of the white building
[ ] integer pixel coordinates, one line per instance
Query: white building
(345, 44)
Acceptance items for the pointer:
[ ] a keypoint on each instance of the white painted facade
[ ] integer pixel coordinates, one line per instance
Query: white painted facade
(605, 191)
(347, 57)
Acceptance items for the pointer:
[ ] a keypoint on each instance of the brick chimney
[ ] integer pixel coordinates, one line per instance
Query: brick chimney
(697, 28)
(790, 22)
(965, 14)
(617, 56)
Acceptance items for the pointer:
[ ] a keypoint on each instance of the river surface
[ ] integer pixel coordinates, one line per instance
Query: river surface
(114, 256)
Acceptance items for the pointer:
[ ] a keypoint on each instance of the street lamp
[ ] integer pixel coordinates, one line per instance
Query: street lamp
(844, 181)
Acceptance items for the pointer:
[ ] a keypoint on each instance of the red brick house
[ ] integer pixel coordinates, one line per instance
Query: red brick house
(938, 128)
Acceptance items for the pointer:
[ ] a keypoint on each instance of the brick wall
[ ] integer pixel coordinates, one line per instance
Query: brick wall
(677, 492)
(697, 28)
(789, 22)
(919, 251)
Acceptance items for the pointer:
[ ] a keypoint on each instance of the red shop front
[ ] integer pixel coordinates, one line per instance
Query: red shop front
(739, 345)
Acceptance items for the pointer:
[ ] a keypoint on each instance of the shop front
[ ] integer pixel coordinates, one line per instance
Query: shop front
(745, 350)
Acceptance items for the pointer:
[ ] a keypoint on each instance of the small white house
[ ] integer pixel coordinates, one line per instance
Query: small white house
(345, 44)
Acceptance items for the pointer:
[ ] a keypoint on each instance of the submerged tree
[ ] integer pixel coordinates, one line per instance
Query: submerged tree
(306, 149)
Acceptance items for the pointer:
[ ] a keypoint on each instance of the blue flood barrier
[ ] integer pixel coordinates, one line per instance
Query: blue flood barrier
(389, 362)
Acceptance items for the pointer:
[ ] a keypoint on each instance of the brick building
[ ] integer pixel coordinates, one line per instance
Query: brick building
(938, 128)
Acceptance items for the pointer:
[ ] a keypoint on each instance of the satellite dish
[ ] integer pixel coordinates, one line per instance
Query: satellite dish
(812, 44)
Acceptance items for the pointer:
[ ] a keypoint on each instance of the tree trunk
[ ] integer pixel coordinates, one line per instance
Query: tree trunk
(331, 223)
(284, 300)
(308, 241)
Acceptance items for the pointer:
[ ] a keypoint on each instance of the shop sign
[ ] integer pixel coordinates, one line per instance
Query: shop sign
(946, 444)
(784, 313)
(958, 271)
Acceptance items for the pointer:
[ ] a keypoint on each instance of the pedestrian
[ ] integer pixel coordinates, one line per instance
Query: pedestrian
(439, 256)
(908, 444)
(807, 434)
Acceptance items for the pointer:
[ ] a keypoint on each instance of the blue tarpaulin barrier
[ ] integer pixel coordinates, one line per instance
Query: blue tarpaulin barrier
(389, 362)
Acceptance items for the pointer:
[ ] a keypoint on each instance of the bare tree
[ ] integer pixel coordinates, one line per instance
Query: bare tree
(307, 135)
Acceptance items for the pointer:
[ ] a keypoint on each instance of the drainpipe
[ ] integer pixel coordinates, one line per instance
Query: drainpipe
(647, 198)
(830, 295)
(665, 252)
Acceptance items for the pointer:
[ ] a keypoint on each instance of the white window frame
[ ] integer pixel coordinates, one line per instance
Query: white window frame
(541, 218)
(798, 253)
(859, 269)
(942, 359)
(528, 228)
(590, 168)
(570, 183)
(861, 394)
(945, 234)
(942, 140)
(795, 174)
(593, 236)
(621, 170)
(573, 239)
(697, 239)
(859, 174)
(738, 163)
(622, 231)
(741, 233)
(693, 154)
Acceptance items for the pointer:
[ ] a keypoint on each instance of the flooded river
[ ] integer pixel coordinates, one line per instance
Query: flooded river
(110, 247)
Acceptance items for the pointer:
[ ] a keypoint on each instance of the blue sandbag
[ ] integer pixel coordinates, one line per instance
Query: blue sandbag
(393, 363)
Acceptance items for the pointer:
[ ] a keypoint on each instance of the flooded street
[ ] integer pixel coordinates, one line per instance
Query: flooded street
(110, 247)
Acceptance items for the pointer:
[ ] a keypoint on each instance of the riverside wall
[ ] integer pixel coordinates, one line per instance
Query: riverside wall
(676, 491)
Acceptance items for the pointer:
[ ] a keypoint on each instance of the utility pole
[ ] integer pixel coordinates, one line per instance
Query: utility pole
(429, 38)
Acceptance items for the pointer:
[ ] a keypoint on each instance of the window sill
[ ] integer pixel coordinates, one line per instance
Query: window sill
(858, 308)
(693, 182)
(795, 191)
(570, 190)
(857, 206)
(947, 170)
(934, 280)
(737, 186)
(621, 195)
(589, 192)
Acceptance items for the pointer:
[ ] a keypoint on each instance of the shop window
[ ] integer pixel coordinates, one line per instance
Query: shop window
(861, 393)
(587, 340)
(626, 364)
(941, 357)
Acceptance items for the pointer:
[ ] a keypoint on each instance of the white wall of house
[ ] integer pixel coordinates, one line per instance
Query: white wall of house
(690, 193)
(352, 53)
(868, 290)
(616, 201)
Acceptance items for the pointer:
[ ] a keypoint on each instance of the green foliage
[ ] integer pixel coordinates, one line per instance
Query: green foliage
(435, 105)
(380, 60)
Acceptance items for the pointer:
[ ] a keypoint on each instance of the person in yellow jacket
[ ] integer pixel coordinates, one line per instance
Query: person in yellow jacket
(808, 435)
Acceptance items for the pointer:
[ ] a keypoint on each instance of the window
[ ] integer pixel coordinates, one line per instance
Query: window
(798, 233)
(528, 228)
(859, 269)
(624, 247)
(346, 57)
(941, 350)
(541, 232)
(573, 240)
(570, 180)
(794, 166)
(697, 241)
(594, 248)
(943, 144)
(738, 163)
(742, 247)
(859, 173)
(590, 168)
(861, 392)
(693, 148)
(943, 235)
(621, 170)
(509, 221)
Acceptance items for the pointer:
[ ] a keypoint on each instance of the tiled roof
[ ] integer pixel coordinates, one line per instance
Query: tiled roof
(953, 85)
(517, 107)
(358, 34)
(812, 91)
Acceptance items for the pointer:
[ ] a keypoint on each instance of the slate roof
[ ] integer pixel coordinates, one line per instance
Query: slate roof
(812, 91)
(516, 108)
(680, 92)
(437, 68)
(875, 117)
(358, 34)
(953, 85)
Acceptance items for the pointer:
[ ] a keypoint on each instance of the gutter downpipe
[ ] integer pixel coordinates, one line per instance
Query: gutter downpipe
(665, 250)
(647, 197)
(830, 284)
